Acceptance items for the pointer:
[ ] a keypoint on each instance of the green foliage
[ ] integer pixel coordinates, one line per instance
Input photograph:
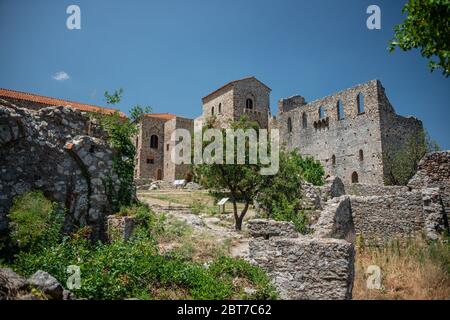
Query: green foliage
(198, 207)
(115, 97)
(427, 27)
(439, 252)
(401, 165)
(120, 131)
(131, 269)
(242, 180)
(288, 211)
(34, 220)
(280, 194)
(137, 112)
(144, 217)
(311, 170)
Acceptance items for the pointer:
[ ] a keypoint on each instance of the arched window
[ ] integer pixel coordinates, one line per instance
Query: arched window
(361, 155)
(360, 102)
(154, 142)
(249, 104)
(304, 120)
(220, 108)
(289, 125)
(321, 113)
(212, 111)
(340, 110)
(354, 177)
(333, 160)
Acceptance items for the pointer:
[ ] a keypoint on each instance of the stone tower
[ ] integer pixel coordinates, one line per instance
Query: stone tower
(154, 146)
(247, 96)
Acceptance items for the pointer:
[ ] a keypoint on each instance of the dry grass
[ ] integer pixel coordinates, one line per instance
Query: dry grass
(198, 199)
(180, 240)
(410, 269)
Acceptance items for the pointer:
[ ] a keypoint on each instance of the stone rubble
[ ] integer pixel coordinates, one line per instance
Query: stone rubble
(16, 287)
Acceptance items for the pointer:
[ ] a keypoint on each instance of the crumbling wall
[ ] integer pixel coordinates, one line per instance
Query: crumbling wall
(381, 213)
(336, 220)
(434, 214)
(46, 150)
(336, 141)
(302, 267)
(434, 172)
(360, 189)
(380, 218)
(314, 197)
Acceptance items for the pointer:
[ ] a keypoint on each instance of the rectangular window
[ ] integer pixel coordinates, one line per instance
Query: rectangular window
(150, 161)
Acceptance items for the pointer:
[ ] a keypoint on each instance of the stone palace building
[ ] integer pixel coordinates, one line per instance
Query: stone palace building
(349, 132)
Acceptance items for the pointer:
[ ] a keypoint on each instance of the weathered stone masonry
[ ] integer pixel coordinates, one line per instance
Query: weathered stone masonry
(49, 149)
(350, 132)
(154, 147)
(302, 267)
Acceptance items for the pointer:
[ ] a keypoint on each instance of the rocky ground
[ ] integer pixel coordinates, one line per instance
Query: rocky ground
(39, 286)
(208, 223)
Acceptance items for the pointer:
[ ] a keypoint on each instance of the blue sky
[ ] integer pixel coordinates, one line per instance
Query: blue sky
(168, 54)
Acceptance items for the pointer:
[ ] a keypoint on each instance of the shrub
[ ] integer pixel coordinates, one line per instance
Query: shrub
(34, 220)
(144, 217)
(135, 269)
(280, 195)
(132, 269)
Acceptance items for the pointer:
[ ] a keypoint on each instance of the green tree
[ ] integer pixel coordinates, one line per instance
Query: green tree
(427, 27)
(120, 131)
(115, 97)
(401, 165)
(137, 112)
(242, 180)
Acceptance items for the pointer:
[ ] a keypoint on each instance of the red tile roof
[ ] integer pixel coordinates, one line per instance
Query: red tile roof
(53, 101)
(166, 116)
(232, 83)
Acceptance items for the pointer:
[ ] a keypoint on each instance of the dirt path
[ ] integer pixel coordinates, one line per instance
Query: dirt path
(220, 227)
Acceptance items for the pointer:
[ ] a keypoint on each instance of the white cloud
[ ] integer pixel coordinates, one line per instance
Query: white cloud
(61, 76)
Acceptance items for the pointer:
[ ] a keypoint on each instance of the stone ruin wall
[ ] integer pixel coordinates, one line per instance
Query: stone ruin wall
(396, 131)
(49, 150)
(382, 218)
(321, 265)
(344, 138)
(382, 213)
(421, 207)
(302, 267)
(361, 189)
(434, 172)
(25, 103)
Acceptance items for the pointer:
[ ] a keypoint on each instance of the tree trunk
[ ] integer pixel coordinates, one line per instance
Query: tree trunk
(238, 224)
(236, 216)
(240, 218)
